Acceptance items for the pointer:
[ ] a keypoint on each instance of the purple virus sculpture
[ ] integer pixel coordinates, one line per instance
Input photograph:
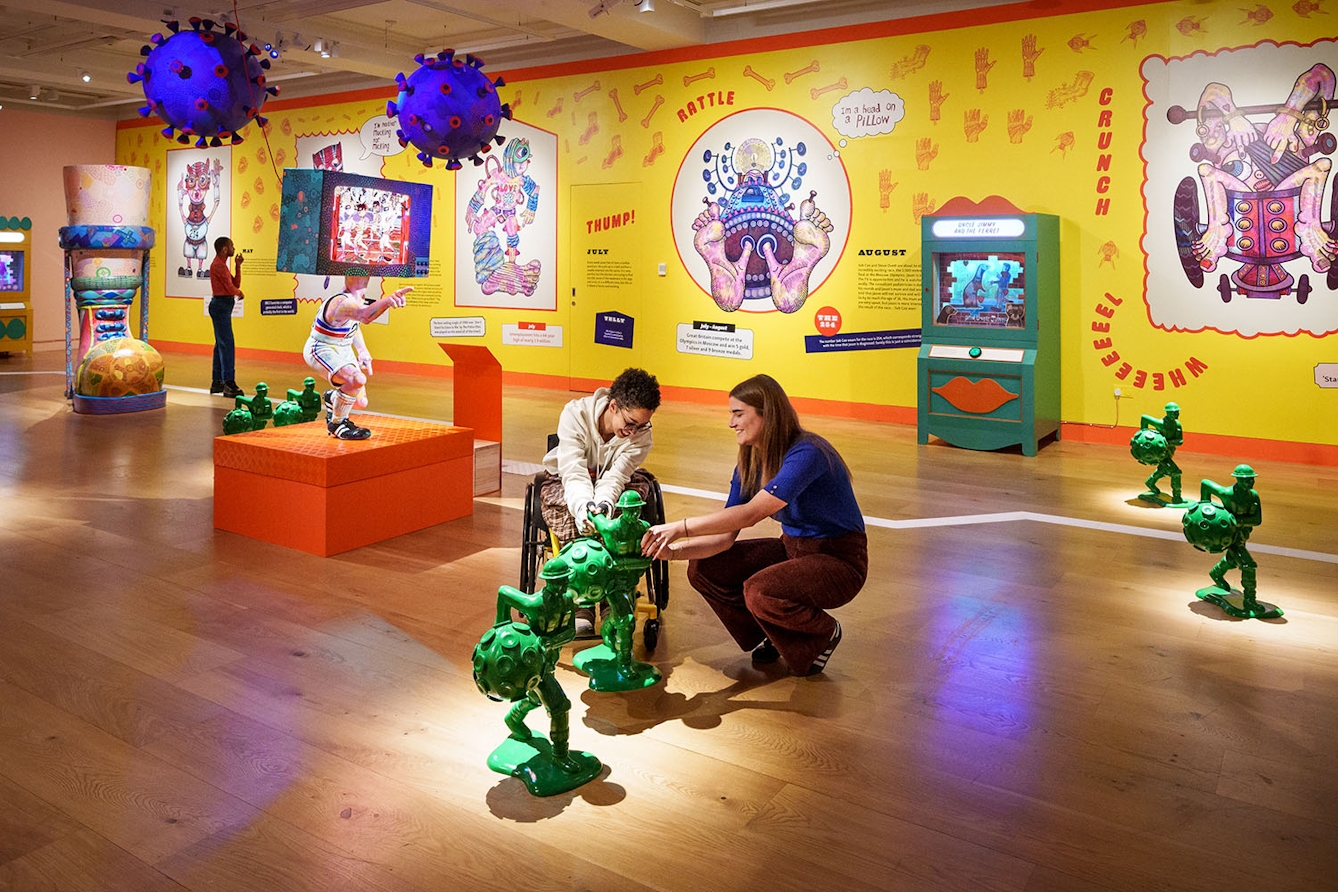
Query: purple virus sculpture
(448, 109)
(203, 83)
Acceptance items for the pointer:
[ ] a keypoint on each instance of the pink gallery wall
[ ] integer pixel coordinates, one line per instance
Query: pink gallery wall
(34, 147)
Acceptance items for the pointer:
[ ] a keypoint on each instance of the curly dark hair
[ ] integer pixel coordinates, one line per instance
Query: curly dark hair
(636, 389)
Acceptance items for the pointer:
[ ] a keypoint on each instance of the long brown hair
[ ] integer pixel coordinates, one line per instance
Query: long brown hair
(780, 431)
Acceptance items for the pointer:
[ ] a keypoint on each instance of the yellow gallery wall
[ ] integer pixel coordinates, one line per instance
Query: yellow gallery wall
(1067, 140)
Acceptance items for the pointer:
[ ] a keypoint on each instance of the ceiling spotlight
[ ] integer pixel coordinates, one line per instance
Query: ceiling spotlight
(85, 76)
(646, 5)
(334, 49)
(34, 91)
(319, 47)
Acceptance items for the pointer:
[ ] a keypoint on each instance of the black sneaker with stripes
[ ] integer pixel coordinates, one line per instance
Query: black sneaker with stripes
(327, 400)
(821, 662)
(347, 430)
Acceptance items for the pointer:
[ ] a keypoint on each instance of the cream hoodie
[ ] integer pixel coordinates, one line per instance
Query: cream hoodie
(582, 454)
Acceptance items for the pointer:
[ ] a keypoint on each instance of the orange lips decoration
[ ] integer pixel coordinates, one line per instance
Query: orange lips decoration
(980, 398)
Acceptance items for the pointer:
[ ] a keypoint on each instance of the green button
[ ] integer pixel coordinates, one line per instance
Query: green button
(974, 352)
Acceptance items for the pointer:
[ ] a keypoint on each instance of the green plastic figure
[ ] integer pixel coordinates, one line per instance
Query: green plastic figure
(1225, 530)
(238, 421)
(287, 412)
(1149, 449)
(515, 661)
(610, 665)
(308, 399)
(261, 409)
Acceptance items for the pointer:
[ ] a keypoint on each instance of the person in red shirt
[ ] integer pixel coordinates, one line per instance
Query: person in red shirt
(227, 290)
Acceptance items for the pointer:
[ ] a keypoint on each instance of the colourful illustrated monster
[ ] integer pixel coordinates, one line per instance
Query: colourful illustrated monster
(751, 242)
(195, 184)
(448, 109)
(506, 198)
(1263, 188)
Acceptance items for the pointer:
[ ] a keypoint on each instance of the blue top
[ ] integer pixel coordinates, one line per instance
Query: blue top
(816, 489)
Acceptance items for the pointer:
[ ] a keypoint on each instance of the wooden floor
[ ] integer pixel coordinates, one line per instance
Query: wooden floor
(1023, 701)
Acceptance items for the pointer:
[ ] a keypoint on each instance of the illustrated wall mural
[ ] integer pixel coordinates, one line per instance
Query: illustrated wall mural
(756, 207)
(200, 181)
(774, 193)
(506, 215)
(1238, 152)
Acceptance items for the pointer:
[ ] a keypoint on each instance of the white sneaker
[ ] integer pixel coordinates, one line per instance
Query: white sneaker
(585, 622)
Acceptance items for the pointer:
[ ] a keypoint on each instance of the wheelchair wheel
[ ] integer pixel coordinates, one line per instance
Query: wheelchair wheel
(534, 544)
(650, 634)
(657, 575)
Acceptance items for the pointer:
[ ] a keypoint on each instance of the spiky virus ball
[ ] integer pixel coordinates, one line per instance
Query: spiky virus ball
(1209, 527)
(1148, 446)
(508, 661)
(120, 367)
(448, 109)
(238, 421)
(204, 83)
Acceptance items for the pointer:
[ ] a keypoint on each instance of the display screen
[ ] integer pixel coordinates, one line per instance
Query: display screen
(343, 224)
(369, 226)
(11, 271)
(980, 289)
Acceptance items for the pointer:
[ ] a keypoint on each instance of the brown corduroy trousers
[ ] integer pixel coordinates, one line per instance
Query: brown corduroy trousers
(781, 589)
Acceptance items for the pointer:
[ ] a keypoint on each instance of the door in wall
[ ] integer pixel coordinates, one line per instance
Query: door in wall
(607, 277)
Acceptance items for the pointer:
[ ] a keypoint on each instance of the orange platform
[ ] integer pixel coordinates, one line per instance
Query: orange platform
(297, 486)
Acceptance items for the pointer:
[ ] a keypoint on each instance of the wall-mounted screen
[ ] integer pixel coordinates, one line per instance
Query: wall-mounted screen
(334, 223)
(980, 289)
(11, 271)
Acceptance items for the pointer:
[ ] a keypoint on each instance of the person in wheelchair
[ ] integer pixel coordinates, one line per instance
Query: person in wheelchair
(602, 441)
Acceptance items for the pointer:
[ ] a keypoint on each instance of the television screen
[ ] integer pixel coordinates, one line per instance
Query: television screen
(334, 223)
(11, 270)
(980, 289)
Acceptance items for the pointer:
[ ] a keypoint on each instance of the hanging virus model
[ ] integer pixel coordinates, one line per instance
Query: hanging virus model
(448, 109)
(203, 83)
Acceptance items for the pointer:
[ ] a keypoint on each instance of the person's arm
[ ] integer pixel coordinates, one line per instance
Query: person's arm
(237, 275)
(366, 313)
(631, 456)
(360, 350)
(718, 529)
(573, 463)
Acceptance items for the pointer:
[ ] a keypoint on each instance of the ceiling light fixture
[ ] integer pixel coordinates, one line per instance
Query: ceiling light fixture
(646, 5)
(85, 76)
(34, 91)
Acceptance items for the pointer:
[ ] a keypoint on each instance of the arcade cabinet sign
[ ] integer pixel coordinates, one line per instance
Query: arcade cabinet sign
(970, 227)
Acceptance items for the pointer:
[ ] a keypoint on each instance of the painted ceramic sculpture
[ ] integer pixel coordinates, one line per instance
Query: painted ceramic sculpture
(1223, 527)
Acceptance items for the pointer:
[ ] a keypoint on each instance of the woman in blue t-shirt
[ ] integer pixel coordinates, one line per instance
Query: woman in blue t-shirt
(772, 594)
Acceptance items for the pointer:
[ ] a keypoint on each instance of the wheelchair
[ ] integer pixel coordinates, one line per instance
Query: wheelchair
(539, 544)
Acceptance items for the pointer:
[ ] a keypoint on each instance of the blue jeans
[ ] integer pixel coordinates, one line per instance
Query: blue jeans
(220, 312)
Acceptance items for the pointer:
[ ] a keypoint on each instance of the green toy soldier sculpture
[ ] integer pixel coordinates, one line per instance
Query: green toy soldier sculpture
(515, 661)
(610, 665)
(308, 399)
(261, 409)
(1151, 449)
(1225, 530)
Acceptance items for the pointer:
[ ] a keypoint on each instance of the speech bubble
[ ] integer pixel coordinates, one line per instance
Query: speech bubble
(866, 113)
(379, 138)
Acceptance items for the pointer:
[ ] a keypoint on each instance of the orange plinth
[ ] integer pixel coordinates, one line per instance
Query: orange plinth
(299, 487)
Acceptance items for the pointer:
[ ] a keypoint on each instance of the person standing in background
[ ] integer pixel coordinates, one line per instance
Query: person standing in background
(227, 290)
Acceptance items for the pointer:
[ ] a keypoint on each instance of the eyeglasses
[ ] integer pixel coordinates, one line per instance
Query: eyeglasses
(630, 422)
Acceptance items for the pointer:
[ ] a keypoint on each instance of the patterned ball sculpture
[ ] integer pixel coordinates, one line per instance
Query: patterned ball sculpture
(204, 83)
(1148, 446)
(448, 109)
(120, 367)
(288, 412)
(508, 661)
(1209, 527)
